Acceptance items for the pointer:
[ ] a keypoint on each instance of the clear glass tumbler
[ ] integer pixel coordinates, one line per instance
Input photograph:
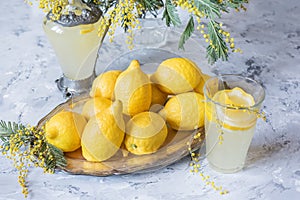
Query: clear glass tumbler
(229, 127)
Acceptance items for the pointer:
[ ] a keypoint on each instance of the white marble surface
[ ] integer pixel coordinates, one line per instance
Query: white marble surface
(268, 33)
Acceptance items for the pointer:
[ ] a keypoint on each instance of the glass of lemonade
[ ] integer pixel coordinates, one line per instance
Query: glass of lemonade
(232, 104)
(76, 47)
(74, 37)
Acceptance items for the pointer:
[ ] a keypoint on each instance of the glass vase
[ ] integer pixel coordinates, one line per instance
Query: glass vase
(74, 38)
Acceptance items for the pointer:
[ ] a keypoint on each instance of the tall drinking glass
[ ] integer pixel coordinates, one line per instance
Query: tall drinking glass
(232, 104)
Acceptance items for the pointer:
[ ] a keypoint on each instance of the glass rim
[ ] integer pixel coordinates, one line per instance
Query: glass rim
(237, 107)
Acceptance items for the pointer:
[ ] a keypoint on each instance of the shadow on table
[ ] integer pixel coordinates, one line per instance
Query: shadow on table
(265, 148)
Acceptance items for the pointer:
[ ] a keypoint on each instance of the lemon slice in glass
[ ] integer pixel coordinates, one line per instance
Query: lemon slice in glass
(87, 30)
(233, 109)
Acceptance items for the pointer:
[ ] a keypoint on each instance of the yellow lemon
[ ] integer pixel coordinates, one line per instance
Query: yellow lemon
(94, 106)
(177, 75)
(231, 112)
(199, 87)
(104, 84)
(103, 134)
(64, 130)
(133, 89)
(86, 28)
(184, 111)
(85, 31)
(158, 97)
(145, 133)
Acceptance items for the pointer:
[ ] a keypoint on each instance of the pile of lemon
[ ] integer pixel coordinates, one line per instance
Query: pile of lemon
(132, 110)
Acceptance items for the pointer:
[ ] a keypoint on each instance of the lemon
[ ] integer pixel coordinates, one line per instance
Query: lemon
(94, 106)
(158, 97)
(145, 133)
(103, 134)
(87, 28)
(235, 117)
(85, 31)
(64, 130)
(184, 111)
(199, 87)
(133, 89)
(104, 84)
(177, 75)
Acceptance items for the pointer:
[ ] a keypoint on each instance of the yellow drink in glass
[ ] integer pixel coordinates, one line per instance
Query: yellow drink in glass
(231, 107)
(76, 47)
(73, 35)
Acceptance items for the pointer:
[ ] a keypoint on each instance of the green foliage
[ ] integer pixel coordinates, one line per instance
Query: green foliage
(210, 8)
(59, 160)
(187, 33)
(202, 12)
(27, 146)
(217, 49)
(6, 129)
(26, 139)
(210, 11)
(170, 14)
(150, 6)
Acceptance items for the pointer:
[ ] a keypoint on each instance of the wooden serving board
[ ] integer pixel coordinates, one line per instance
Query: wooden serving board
(123, 162)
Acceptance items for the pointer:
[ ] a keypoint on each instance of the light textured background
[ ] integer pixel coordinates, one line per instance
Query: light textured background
(269, 35)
